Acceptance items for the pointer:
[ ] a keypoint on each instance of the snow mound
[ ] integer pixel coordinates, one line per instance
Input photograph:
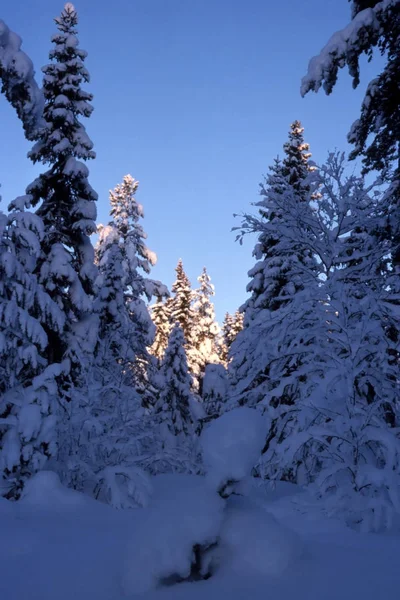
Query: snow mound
(253, 541)
(183, 513)
(44, 490)
(232, 445)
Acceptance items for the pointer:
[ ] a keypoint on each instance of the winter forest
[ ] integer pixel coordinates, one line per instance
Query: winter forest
(125, 402)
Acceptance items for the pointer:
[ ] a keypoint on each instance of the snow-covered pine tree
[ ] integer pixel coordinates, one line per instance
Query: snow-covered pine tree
(160, 314)
(280, 286)
(124, 263)
(138, 260)
(116, 328)
(231, 326)
(18, 82)
(66, 203)
(226, 339)
(205, 328)
(173, 405)
(181, 309)
(28, 384)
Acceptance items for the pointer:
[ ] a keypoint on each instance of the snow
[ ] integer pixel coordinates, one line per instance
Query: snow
(256, 542)
(232, 445)
(79, 549)
(184, 513)
(44, 491)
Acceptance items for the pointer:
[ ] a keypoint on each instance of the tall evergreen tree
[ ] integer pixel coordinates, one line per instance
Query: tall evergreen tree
(226, 337)
(231, 326)
(117, 334)
(138, 260)
(281, 279)
(181, 302)
(173, 406)
(66, 201)
(269, 283)
(124, 263)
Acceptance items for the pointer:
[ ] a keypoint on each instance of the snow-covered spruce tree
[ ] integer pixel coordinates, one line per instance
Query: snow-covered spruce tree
(181, 309)
(280, 286)
(205, 328)
(268, 280)
(28, 383)
(66, 204)
(116, 329)
(123, 250)
(225, 338)
(160, 314)
(18, 82)
(173, 405)
(138, 260)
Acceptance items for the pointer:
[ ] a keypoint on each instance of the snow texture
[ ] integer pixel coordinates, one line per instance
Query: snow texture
(184, 513)
(252, 541)
(44, 491)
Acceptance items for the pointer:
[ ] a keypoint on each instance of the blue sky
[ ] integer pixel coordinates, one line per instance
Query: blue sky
(194, 98)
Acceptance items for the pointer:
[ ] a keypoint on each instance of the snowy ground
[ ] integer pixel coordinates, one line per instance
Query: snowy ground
(58, 544)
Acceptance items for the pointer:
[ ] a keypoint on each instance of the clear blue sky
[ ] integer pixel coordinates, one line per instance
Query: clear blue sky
(194, 98)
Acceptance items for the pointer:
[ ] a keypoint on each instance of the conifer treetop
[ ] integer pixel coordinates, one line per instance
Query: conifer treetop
(63, 136)
(68, 18)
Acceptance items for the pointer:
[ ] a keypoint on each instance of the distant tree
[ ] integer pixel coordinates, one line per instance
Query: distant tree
(181, 302)
(173, 406)
(205, 328)
(231, 326)
(160, 313)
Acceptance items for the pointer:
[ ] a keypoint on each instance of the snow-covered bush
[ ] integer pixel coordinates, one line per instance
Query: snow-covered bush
(231, 446)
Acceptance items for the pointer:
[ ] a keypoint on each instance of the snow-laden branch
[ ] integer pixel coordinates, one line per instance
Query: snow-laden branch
(346, 46)
(18, 82)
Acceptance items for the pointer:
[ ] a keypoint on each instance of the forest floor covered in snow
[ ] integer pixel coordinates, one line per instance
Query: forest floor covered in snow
(60, 544)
